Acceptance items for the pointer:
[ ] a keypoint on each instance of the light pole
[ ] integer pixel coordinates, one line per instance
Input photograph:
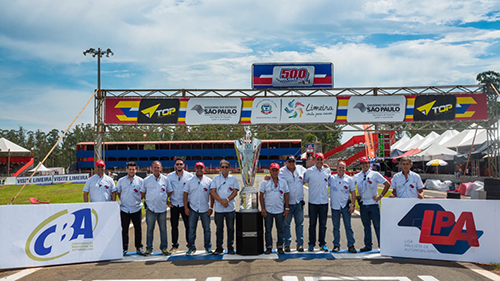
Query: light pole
(99, 103)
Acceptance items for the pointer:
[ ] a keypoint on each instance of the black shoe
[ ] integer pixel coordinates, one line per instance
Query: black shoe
(336, 249)
(218, 251)
(287, 249)
(231, 251)
(125, 252)
(268, 251)
(365, 249)
(352, 250)
(140, 251)
(300, 249)
(280, 251)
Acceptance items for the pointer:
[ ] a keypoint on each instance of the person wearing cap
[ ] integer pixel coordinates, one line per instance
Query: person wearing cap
(198, 204)
(367, 184)
(155, 190)
(407, 184)
(224, 188)
(274, 207)
(294, 177)
(178, 179)
(129, 192)
(100, 187)
(341, 188)
(317, 176)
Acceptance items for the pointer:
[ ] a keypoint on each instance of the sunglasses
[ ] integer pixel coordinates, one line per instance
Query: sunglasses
(179, 164)
(224, 167)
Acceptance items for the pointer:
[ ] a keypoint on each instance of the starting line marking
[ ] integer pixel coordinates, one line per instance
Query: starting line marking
(20, 274)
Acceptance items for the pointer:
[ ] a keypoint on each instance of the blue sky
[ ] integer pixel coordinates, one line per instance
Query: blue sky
(45, 80)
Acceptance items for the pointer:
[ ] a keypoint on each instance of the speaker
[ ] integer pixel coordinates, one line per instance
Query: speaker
(453, 195)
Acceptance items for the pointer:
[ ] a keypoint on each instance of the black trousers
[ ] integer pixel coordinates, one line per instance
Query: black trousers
(136, 221)
(174, 223)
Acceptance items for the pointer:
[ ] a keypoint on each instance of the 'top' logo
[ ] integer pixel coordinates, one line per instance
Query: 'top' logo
(438, 227)
(51, 238)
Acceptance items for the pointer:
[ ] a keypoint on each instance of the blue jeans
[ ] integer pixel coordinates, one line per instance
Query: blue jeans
(369, 214)
(269, 229)
(346, 217)
(151, 218)
(297, 213)
(317, 211)
(205, 223)
(219, 223)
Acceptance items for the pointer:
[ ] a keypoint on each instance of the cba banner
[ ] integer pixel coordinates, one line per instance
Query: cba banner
(457, 230)
(40, 235)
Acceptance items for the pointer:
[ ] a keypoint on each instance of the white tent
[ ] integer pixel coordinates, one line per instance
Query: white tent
(41, 168)
(434, 151)
(426, 141)
(400, 142)
(464, 137)
(446, 136)
(416, 138)
(6, 146)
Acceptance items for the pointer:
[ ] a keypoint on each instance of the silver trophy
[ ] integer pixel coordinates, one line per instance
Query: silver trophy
(247, 151)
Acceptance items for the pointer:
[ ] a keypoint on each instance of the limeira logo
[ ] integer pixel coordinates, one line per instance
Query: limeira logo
(439, 228)
(62, 233)
(294, 109)
(150, 111)
(428, 107)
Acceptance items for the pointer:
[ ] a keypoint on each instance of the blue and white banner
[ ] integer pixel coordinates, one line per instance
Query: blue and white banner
(40, 235)
(51, 179)
(457, 230)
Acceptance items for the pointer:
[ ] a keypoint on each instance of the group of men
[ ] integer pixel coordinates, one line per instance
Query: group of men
(196, 197)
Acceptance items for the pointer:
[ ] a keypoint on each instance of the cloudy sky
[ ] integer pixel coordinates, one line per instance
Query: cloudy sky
(45, 79)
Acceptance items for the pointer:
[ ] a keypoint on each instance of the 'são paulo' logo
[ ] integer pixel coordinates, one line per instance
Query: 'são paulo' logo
(62, 233)
(439, 228)
(294, 109)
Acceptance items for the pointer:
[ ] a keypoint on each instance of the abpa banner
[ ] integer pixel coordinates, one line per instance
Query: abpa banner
(458, 230)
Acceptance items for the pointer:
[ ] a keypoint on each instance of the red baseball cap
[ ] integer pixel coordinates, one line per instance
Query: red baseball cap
(100, 163)
(274, 166)
(364, 159)
(199, 164)
(319, 155)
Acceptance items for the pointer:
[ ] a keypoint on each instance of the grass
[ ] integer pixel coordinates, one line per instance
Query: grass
(54, 193)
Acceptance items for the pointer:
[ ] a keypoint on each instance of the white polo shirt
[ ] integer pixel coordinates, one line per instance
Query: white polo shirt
(295, 182)
(156, 192)
(318, 184)
(178, 184)
(198, 193)
(274, 195)
(368, 186)
(224, 188)
(130, 194)
(99, 188)
(407, 188)
(340, 190)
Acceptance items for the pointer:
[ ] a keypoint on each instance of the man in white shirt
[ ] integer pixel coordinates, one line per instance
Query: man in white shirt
(274, 206)
(224, 189)
(341, 188)
(155, 190)
(129, 192)
(177, 179)
(99, 187)
(196, 205)
(407, 184)
(317, 176)
(367, 183)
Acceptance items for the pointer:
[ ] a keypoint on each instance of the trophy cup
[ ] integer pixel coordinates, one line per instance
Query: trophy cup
(247, 152)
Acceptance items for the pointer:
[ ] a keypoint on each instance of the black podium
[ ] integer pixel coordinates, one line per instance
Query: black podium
(249, 233)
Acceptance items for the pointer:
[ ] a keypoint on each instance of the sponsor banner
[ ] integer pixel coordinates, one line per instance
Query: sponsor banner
(266, 111)
(457, 230)
(375, 109)
(434, 108)
(41, 180)
(163, 111)
(370, 146)
(121, 110)
(471, 107)
(71, 178)
(8, 181)
(213, 111)
(41, 235)
(292, 75)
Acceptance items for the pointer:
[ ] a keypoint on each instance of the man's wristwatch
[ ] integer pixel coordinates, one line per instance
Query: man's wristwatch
(288, 209)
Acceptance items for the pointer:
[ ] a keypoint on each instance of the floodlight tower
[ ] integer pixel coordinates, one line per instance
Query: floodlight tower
(100, 129)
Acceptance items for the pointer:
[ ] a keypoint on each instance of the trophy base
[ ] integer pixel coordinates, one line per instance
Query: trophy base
(249, 233)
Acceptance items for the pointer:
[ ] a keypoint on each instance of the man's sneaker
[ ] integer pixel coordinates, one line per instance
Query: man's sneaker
(311, 248)
(336, 249)
(231, 252)
(190, 252)
(125, 252)
(173, 250)
(352, 250)
(140, 251)
(148, 252)
(300, 249)
(280, 251)
(324, 248)
(365, 249)
(268, 251)
(218, 251)
(287, 249)
(165, 252)
(208, 250)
